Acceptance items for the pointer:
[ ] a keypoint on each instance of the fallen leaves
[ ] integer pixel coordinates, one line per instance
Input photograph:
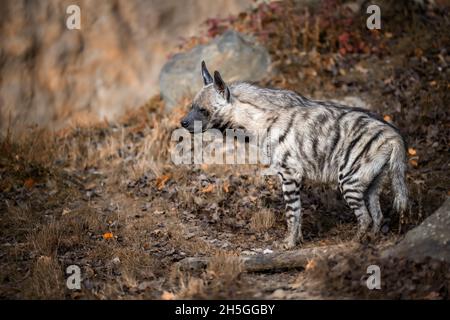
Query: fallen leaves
(387, 118)
(29, 183)
(412, 151)
(208, 189)
(108, 235)
(312, 264)
(167, 296)
(161, 181)
(414, 160)
(226, 187)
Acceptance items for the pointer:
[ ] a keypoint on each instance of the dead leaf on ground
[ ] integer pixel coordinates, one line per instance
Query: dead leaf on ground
(167, 296)
(108, 235)
(414, 163)
(208, 189)
(412, 151)
(161, 181)
(312, 264)
(29, 183)
(226, 187)
(387, 118)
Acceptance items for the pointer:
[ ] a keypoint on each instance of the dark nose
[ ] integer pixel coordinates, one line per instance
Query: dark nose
(184, 123)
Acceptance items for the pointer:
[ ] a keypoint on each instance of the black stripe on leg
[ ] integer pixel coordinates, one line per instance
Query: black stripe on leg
(350, 191)
(355, 204)
(289, 207)
(289, 182)
(290, 193)
(291, 201)
(349, 181)
(353, 198)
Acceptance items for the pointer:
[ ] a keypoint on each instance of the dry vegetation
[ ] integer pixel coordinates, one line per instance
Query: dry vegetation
(106, 197)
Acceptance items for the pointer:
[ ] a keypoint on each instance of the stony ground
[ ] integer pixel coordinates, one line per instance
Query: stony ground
(107, 198)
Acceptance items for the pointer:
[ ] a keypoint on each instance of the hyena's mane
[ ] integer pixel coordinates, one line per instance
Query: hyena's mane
(274, 99)
(266, 98)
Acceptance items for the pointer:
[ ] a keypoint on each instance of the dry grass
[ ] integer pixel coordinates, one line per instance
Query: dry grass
(46, 280)
(262, 220)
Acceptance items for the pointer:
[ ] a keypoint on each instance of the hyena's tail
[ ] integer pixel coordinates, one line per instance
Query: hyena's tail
(397, 165)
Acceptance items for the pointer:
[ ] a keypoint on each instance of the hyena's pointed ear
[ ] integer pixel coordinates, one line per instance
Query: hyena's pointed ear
(221, 87)
(207, 79)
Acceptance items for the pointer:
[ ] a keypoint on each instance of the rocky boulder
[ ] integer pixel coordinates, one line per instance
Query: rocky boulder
(236, 56)
(430, 239)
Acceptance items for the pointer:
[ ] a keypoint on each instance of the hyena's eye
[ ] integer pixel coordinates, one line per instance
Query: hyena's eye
(204, 112)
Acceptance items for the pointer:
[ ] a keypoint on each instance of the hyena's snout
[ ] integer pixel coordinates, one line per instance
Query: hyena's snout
(188, 122)
(194, 122)
(184, 123)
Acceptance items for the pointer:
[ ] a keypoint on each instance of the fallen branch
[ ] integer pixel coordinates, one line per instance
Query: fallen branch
(263, 262)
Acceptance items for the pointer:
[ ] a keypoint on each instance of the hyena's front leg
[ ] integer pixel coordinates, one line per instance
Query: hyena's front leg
(291, 194)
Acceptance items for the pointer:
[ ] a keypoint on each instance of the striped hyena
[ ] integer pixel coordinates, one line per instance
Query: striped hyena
(317, 140)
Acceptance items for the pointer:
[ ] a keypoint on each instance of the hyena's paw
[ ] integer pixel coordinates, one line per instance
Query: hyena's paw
(287, 243)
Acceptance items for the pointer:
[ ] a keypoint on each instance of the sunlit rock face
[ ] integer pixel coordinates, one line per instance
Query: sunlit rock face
(51, 75)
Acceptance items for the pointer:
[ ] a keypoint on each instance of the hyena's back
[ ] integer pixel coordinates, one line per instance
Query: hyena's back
(331, 143)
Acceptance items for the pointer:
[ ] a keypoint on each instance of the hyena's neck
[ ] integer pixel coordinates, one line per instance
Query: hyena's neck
(254, 108)
(249, 116)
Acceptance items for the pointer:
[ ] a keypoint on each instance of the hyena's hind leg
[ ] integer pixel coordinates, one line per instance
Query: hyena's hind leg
(373, 203)
(291, 194)
(353, 193)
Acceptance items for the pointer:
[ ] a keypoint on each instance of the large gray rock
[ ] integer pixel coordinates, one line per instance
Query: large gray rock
(430, 239)
(236, 56)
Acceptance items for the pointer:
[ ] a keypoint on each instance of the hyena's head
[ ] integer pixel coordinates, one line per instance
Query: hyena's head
(210, 104)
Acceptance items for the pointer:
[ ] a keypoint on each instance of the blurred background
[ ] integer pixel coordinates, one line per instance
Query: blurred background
(50, 74)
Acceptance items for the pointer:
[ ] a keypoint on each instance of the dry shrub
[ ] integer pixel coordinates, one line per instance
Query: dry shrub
(225, 266)
(192, 288)
(46, 280)
(135, 263)
(262, 220)
(220, 280)
(45, 240)
(34, 146)
(75, 226)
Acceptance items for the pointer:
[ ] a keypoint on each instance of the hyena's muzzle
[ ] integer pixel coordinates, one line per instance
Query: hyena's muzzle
(196, 120)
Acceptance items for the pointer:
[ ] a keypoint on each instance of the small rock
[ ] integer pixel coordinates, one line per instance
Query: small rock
(116, 260)
(278, 294)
